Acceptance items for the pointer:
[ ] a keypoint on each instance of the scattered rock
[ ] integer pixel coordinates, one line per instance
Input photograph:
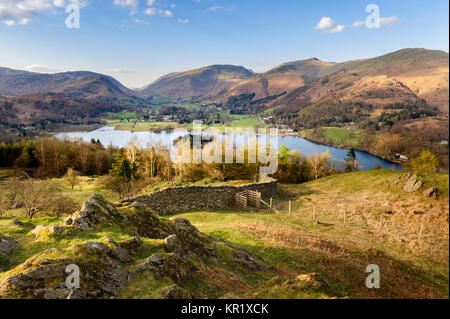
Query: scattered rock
(171, 266)
(17, 222)
(132, 245)
(7, 245)
(244, 257)
(44, 275)
(121, 254)
(173, 245)
(38, 229)
(430, 192)
(412, 184)
(17, 205)
(93, 212)
(310, 281)
(193, 242)
(305, 282)
(53, 230)
(175, 292)
(77, 294)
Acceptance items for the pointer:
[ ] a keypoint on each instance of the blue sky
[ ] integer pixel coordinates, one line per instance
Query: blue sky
(136, 41)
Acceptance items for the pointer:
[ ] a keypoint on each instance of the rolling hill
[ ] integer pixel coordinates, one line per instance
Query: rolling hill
(403, 76)
(284, 78)
(196, 83)
(32, 109)
(80, 84)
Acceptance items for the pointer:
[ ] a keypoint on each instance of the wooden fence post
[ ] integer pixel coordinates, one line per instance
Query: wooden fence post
(271, 205)
(421, 231)
(259, 200)
(290, 207)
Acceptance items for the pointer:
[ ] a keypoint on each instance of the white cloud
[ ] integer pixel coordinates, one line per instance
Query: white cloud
(217, 8)
(126, 3)
(59, 3)
(183, 21)
(14, 12)
(141, 21)
(325, 23)
(388, 20)
(160, 12)
(383, 21)
(338, 28)
(40, 68)
(9, 23)
(358, 24)
(120, 71)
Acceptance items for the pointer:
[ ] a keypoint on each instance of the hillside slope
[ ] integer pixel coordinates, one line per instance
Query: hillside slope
(283, 78)
(404, 76)
(32, 109)
(195, 83)
(80, 84)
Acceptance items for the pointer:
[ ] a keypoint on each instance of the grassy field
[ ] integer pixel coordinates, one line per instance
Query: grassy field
(142, 126)
(341, 136)
(294, 244)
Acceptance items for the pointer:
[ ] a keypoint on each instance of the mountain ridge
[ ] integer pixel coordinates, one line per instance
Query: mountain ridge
(411, 71)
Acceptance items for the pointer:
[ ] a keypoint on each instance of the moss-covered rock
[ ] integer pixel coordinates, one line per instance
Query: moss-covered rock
(170, 266)
(46, 232)
(44, 275)
(7, 246)
(175, 292)
(93, 212)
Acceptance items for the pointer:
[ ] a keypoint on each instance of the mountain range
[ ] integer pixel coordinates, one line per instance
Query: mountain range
(403, 76)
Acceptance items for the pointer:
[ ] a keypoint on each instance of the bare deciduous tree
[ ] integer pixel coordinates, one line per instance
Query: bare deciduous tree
(319, 163)
(36, 196)
(72, 177)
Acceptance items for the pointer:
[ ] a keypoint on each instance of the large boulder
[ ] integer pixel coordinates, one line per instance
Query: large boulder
(430, 192)
(189, 240)
(7, 245)
(43, 276)
(93, 212)
(170, 266)
(175, 292)
(412, 184)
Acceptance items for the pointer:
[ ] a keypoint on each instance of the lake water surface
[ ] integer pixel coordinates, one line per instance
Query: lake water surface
(108, 135)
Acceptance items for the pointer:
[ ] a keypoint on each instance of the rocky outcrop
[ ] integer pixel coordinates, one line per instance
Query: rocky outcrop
(430, 192)
(170, 266)
(102, 266)
(93, 212)
(412, 184)
(175, 292)
(44, 275)
(7, 245)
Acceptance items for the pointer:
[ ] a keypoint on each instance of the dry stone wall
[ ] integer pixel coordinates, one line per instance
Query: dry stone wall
(200, 197)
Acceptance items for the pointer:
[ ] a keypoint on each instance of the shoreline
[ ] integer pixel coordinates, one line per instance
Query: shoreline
(384, 157)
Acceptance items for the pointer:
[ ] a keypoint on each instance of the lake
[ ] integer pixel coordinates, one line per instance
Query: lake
(108, 135)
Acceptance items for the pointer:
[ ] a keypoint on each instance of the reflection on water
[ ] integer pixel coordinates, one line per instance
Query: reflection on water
(108, 135)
